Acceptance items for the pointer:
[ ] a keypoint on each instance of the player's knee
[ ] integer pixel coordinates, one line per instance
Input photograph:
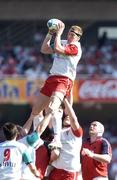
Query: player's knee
(55, 101)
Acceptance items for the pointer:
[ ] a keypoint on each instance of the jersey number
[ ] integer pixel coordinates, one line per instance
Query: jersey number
(6, 154)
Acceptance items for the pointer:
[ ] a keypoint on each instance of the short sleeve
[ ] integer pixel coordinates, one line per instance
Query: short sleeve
(32, 138)
(27, 158)
(78, 132)
(106, 147)
(71, 49)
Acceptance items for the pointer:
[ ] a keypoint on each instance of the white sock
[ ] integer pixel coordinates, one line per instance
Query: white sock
(57, 124)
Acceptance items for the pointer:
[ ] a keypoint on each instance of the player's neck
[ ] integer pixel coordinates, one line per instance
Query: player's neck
(93, 138)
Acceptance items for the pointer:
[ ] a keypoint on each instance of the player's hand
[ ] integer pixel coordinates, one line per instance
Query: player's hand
(52, 31)
(37, 174)
(60, 28)
(87, 152)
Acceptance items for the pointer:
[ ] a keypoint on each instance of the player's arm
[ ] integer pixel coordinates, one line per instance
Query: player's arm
(70, 97)
(73, 119)
(27, 125)
(104, 156)
(46, 47)
(34, 137)
(70, 49)
(98, 157)
(28, 161)
(58, 48)
(44, 123)
(34, 170)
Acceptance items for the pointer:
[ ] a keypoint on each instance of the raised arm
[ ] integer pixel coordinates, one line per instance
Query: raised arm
(44, 123)
(46, 45)
(57, 43)
(72, 116)
(37, 119)
(27, 126)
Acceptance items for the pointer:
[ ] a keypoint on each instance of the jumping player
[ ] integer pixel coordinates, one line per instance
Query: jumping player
(67, 54)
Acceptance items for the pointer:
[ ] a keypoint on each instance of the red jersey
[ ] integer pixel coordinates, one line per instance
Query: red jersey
(92, 168)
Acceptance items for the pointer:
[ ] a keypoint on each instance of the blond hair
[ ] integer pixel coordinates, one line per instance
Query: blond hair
(77, 29)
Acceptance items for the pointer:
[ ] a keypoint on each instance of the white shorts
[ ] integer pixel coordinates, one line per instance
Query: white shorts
(101, 178)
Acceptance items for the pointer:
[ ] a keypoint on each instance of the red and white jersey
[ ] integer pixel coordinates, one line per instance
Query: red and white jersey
(65, 65)
(11, 159)
(69, 158)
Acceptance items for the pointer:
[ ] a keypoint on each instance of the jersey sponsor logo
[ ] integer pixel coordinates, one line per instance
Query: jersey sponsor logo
(8, 164)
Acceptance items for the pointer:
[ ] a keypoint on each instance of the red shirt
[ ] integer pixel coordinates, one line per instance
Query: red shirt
(90, 167)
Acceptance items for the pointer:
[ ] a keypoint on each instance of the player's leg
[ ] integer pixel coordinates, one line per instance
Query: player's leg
(39, 105)
(54, 107)
(57, 126)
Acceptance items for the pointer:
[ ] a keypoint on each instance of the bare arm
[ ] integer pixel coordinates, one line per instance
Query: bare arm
(99, 157)
(27, 125)
(33, 169)
(73, 118)
(70, 97)
(44, 123)
(46, 48)
(57, 43)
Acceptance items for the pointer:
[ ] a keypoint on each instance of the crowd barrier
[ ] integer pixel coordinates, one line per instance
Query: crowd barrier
(20, 90)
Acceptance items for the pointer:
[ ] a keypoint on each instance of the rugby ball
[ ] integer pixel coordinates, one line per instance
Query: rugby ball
(52, 24)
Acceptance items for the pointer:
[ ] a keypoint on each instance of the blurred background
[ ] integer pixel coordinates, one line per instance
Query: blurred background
(23, 68)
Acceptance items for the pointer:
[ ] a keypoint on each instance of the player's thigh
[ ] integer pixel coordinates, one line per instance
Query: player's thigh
(40, 103)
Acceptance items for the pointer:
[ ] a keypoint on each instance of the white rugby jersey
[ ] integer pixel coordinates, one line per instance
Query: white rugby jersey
(69, 158)
(11, 159)
(66, 65)
(31, 141)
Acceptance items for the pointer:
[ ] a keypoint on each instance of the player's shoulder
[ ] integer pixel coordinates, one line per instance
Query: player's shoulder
(104, 140)
(20, 145)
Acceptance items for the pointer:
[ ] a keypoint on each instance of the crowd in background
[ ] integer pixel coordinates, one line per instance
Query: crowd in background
(97, 60)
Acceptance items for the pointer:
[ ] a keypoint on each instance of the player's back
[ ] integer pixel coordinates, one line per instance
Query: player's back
(11, 156)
